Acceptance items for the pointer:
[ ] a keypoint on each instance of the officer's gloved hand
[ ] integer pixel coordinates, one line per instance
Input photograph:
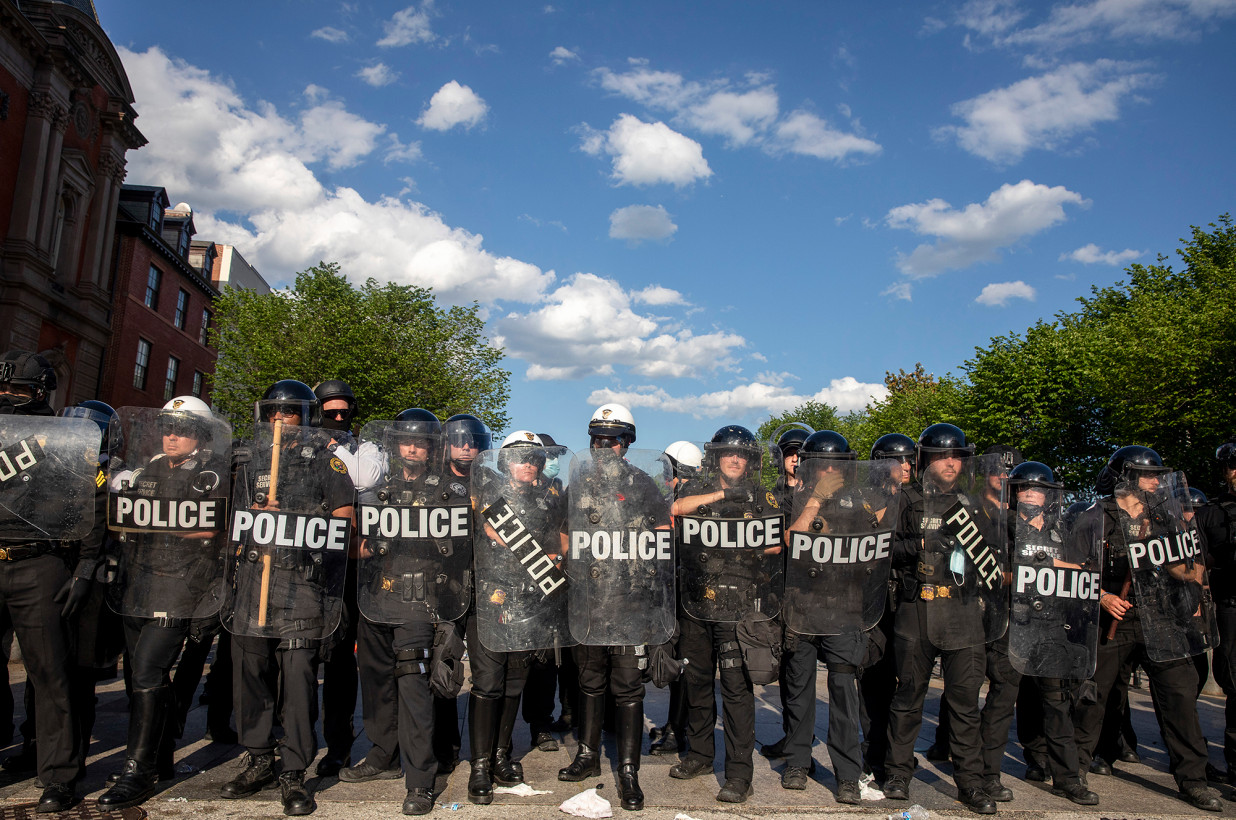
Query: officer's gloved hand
(737, 494)
(73, 595)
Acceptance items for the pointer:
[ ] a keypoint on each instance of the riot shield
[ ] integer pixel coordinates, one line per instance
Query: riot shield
(169, 481)
(1167, 561)
(729, 550)
(48, 468)
(416, 550)
(288, 552)
(839, 546)
(620, 550)
(964, 558)
(1056, 586)
(521, 589)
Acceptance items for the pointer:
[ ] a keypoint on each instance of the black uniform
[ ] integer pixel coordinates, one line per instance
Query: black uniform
(1217, 521)
(709, 645)
(395, 659)
(32, 574)
(915, 656)
(286, 669)
(1173, 684)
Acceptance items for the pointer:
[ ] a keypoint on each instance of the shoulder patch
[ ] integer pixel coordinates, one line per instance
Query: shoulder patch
(458, 489)
(338, 466)
(432, 480)
(772, 502)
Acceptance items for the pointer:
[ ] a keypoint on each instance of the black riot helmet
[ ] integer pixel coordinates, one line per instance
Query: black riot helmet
(1197, 498)
(733, 438)
(942, 439)
(827, 444)
(1124, 464)
(30, 375)
(464, 430)
(414, 423)
(1226, 455)
(102, 414)
(895, 445)
(1009, 455)
(1032, 474)
(791, 441)
(333, 389)
(1075, 509)
(290, 396)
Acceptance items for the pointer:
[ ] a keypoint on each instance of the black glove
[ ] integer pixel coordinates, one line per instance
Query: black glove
(736, 494)
(73, 595)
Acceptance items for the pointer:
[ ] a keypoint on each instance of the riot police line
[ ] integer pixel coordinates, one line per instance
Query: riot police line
(419, 538)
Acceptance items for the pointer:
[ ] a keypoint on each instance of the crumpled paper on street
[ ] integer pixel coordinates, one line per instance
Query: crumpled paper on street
(522, 790)
(868, 790)
(587, 804)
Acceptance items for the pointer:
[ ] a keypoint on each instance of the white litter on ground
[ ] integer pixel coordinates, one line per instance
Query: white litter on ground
(588, 804)
(522, 790)
(868, 791)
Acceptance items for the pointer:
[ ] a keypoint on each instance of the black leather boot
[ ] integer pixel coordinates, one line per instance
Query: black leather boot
(630, 720)
(587, 762)
(257, 775)
(506, 772)
(140, 775)
(296, 798)
(482, 723)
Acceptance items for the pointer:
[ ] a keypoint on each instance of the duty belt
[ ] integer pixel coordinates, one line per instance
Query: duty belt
(21, 553)
(930, 592)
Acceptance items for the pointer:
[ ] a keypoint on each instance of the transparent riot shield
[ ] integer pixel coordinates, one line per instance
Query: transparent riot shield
(730, 532)
(416, 549)
(169, 480)
(1167, 562)
(839, 546)
(620, 550)
(48, 471)
(287, 548)
(1056, 578)
(964, 558)
(521, 588)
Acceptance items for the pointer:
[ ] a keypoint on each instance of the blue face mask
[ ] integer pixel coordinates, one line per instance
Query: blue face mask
(551, 469)
(957, 562)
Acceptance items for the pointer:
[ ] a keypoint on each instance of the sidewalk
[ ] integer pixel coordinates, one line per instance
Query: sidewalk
(1143, 790)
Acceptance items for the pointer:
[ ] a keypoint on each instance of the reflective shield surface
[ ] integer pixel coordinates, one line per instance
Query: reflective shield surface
(49, 468)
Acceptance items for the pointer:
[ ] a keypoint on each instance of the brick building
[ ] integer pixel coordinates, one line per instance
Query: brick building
(163, 304)
(66, 122)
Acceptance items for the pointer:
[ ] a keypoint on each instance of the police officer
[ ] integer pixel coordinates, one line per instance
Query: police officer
(394, 658)
(1129, 480)
(43, 583)
(1218, 521)
(339, 682)
(685, 460)
(877, 681)
(730, 491)
(618, 670)
(826, 504)
(309, 478)
(942, 448)
(170, 572)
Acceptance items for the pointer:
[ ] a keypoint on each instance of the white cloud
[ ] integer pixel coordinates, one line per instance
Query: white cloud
(247, 171)
(330, 34)
(562, 55)
(641, 222)
(975, 233)
(765, 395)
(1092, 254)
(453, 104)
(399, 152)
(587, 325)
(658, 295)
(900, 290)
(647, 153)
(409, 25)
(743, 113)
(998, 294)
(378, 75)
(1044, 112)
(804, 133)
(1071, 24)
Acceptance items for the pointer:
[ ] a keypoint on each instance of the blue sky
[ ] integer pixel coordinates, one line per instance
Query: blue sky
(710, 211)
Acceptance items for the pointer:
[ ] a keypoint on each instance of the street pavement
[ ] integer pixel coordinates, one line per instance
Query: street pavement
(1136, 792)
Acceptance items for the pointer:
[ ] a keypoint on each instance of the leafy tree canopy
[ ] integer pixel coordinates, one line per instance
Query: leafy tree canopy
(391, 343)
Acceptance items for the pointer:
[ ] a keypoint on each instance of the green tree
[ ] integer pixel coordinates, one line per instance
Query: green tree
(391, 343)
(915, 400)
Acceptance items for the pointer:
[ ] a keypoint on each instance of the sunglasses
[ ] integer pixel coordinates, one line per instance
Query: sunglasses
(282, 410)
(337, 414)
(603, 442)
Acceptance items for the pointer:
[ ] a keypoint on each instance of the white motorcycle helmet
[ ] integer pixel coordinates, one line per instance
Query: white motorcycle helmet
(613, 420)
(685, 457)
